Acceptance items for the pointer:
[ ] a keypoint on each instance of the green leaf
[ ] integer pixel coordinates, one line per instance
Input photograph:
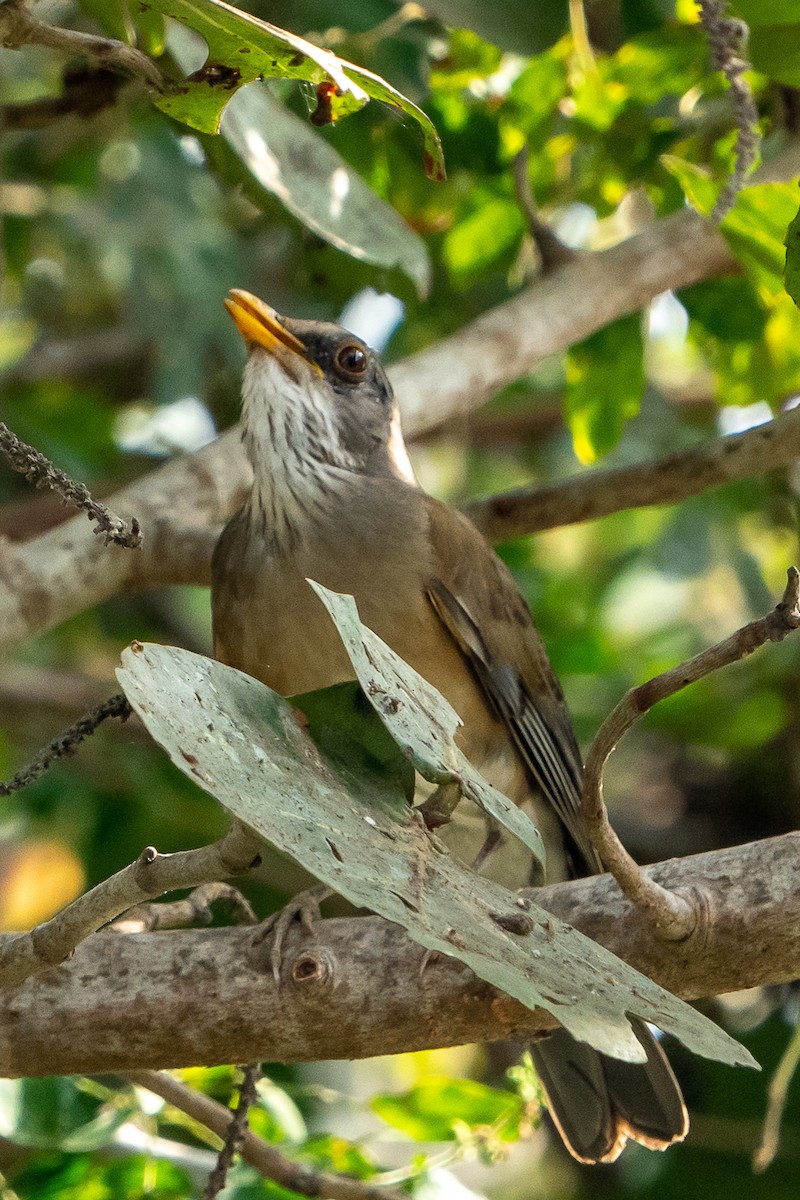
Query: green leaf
(728, 308)
(242, 48)
(355, 831)
(792, 270)
(666, 62)
(481, 239)
(605, 383)
(766, 12)
(327, 1152)
(469, 58)
(535, 94)
(775, 50)
(756, 231)
(287, 159)
(114, 18)
(755, 228)
(774, 42)
(55, 1113)
(433, 1110)
(111, 15)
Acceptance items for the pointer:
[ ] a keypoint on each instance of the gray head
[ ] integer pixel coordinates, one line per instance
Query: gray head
(318, 411)
(326, 381)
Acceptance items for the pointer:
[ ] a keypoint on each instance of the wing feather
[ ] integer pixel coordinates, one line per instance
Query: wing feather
(509, 660)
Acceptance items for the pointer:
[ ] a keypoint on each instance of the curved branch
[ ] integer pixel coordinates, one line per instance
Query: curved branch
(182, 504)
(356, 987)
(268, 1161)
(673, 916)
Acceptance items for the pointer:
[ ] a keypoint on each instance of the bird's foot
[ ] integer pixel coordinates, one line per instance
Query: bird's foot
(438, 809)
(303, 907)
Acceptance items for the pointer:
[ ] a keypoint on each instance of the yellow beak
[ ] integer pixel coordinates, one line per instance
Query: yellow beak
(260, 325)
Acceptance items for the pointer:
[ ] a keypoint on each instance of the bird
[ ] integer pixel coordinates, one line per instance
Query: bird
(334, 498)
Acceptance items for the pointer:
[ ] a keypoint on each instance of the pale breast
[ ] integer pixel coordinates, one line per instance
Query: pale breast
(269, 623)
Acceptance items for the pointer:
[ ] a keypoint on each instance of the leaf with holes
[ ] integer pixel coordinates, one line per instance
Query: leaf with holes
(327, 786)
(241, 48)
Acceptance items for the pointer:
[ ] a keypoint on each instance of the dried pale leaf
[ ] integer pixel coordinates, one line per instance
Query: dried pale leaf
(419, 718)
(249, 748)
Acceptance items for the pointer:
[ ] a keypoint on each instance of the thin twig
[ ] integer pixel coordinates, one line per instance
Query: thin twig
(551, 250)
(18, 29)
(86, 92)
(67, 742)
(151, 875)
(39, 470)
(235, 1133)
(778, 1093)
(673, 916)
(195, 910)
(727, 39)
(254, 1150)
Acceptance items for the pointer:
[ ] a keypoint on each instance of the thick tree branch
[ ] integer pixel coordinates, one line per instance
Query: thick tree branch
(669, 480)
(181, 505)
(673, 916)
(355, 988)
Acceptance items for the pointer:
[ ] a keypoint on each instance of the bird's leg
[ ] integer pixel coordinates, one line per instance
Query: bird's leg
(494, 838)
(303, 907)
(438, 809)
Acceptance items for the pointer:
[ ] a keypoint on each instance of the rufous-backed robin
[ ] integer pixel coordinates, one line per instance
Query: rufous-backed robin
(334, 499)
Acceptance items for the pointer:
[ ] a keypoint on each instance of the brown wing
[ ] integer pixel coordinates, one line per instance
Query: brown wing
(479, 603)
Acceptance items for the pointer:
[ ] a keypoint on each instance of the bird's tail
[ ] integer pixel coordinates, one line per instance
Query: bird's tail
(598, 1102)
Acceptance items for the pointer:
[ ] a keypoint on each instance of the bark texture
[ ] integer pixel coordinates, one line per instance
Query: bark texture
(357, 987)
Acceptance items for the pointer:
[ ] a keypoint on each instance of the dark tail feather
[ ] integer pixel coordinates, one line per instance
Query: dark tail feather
(597, 1102)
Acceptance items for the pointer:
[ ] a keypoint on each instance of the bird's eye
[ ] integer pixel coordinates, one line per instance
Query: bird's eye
(350, 362)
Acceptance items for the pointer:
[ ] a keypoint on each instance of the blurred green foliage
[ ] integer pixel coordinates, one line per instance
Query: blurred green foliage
(121, 232)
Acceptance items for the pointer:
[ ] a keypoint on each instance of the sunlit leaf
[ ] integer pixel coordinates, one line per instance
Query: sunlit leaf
(666, 62)
(481, 239)
(792, 271)
(468, 59)
(756, 225)
(242, 48)
(431, 1110)
(605, 384)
